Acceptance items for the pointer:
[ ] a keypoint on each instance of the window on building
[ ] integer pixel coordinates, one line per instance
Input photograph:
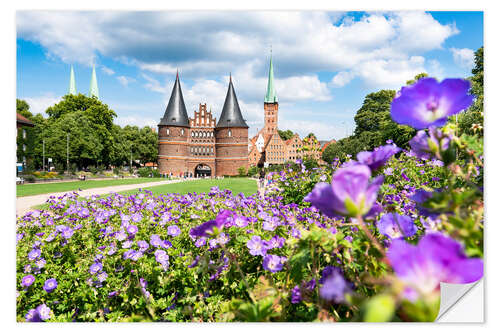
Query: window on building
(167, 131)
(24, 147)
(182, 131)
(192, 134)
(24, 133)
(229, 133)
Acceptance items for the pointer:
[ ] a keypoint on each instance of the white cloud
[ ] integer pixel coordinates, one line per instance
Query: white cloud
(463, 57)
(39, 104)
(391, 73)
(124, 80)
(107, 70)
(136, 120)
(322, 130)
(342, 78)
(208, 43)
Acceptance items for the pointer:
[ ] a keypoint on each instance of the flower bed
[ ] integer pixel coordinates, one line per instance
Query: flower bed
(370, 239)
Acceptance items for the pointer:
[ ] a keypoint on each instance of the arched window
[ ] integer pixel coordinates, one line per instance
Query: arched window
(182, 131)
(192, 134)
(167, 131)
(229, 133)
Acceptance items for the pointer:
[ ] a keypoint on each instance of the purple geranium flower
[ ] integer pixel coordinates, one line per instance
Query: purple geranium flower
(33, 316)
(33, 254)
(240, 221)
(155, 240)
(132, 229)
(436, 258)
(427, 146)
(377, 158)
(296, 297)
(396, 226)
(334, 285)
(94, 268)
(350, 193)
(28, 280)
(429, 102)
(161, 257)
(143, 245)
(256, 246)
(206, 229)
(43, 311)
(273, 263)
(137, 217)
(173, 230)
(50, 285)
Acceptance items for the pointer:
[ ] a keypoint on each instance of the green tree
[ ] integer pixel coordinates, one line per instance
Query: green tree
(285, 135)
(417, 77)
(472, 121)
(23, 108)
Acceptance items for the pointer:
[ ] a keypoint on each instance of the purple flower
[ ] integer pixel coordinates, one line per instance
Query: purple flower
(161, 257)
(173, 230)
(436, 258)
(427, 146)
(43, 311)
(94, 268)
(127, 244)
(394, 225)
(128, 254)
(67, 233)
(132, 229)
(28, 280)
(388, 171)
(33, 254)
(137, 217)
(206, 229)
(429, 103)
(200, 242)
(40, 263)
(334, 285)
(33, 316)
(143, 245)
(102, 276)
(155, 240)
(296, 297)
(50, 285)
(377, 158)
(350, 193)
(273, 263)
(240, 221)
(121, 235)
(256, 246)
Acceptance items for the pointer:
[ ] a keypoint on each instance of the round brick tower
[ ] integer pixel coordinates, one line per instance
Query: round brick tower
(231, 137)
(173, 134)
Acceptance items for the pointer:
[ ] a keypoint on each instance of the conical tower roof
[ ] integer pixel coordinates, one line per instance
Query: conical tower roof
(231, 113)
(176, 114)
(271, 96)
(94, 90)
(72, 84)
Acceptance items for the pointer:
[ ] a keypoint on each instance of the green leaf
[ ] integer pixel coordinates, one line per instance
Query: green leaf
(379, 309)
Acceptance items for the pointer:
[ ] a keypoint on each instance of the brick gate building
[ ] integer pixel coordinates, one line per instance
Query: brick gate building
(201, 146)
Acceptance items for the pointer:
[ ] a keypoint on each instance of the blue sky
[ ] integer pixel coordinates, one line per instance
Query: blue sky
(324, 62)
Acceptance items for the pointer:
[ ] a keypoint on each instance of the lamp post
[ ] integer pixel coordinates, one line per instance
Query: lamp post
(67, 153)
(43, 155)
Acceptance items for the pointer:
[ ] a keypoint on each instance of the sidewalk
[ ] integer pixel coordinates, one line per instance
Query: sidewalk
(24, 204)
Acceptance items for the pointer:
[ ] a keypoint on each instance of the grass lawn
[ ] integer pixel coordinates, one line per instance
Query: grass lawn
(236, 185)
(34, 189)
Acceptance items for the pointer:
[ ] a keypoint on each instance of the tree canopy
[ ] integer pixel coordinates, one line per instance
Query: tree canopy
(285, 135)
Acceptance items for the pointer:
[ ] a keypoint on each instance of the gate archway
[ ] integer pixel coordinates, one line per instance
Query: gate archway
(202, 170)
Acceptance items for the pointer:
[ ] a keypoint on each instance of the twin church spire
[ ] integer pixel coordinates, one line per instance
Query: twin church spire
(94, 89)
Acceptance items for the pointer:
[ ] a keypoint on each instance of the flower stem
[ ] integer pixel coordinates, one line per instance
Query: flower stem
(372, 238)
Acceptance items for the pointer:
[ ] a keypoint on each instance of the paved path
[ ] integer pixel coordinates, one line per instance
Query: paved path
(24, 204)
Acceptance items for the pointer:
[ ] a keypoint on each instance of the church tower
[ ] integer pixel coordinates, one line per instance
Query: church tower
(173, 132)
(72, 84)
(231, 137)
(94, 90)
(270, 104)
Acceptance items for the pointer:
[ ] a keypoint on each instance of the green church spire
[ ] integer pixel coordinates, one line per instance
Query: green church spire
(72, 84)
(271, 92)
(94, 90)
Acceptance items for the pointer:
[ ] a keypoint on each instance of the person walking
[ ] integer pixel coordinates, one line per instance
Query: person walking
(262, 176)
